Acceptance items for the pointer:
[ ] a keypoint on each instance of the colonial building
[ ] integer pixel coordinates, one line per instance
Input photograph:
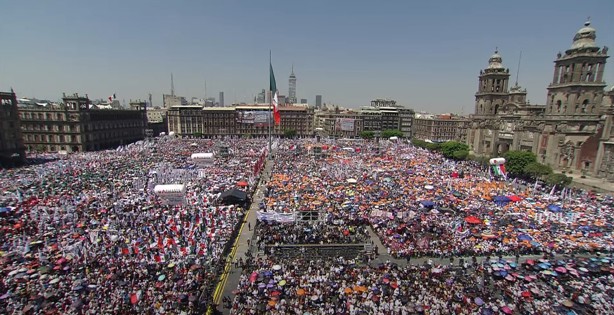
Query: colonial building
(571, 132)
(243, 120)
(12, 150)
(77, 126)
(440, 128)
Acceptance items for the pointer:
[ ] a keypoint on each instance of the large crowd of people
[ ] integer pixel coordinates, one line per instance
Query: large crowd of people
(86, 233)
(421, 204)
(339, 286)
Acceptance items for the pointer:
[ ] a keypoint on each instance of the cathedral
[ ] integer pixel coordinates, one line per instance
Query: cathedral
(574, 131)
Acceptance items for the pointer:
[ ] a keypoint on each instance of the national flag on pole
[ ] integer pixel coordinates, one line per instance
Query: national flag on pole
(274, 95)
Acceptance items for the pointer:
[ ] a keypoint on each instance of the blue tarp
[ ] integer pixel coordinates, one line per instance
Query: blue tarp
(555, 208)
(427, 203)
(524, 237)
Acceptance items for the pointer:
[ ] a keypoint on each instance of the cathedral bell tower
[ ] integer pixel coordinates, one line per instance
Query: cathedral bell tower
(493, 87)
(577, 85)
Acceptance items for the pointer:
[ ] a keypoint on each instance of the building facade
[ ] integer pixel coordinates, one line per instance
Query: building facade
(338, 124)
(388, 115)
(319, 101)
(292, 88)
(244, 120)
(75, 126)
(572, 131)
(440, 128)
(12, 149)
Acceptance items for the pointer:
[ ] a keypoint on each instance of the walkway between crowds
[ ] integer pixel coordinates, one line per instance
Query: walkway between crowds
(230, 279)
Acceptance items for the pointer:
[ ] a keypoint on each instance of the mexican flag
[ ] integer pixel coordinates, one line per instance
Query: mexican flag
(274, 94)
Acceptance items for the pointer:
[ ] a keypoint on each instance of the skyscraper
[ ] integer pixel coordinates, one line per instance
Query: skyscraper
(318, 101)
(292, 87)
(261, 98)
(221, 99)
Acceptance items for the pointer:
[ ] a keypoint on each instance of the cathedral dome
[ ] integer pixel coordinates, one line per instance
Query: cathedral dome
(495, 61)
(585, 37)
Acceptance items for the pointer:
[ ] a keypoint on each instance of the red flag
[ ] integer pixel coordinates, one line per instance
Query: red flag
(125, 251)
(157, 258)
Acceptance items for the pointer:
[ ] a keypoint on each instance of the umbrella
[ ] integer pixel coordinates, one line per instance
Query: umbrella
(478, 301)
(524, 237)
(282, 283)
(242, 183)
(473, 220)
(560, 269)
(568, 303)
(555, 208)
(161, 277)
(506, 310)
(276, 267)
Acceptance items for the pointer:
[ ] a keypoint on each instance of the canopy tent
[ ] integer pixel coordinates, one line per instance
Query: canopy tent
(233, 196)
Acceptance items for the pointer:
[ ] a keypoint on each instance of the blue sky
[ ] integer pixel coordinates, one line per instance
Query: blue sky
(424, 54)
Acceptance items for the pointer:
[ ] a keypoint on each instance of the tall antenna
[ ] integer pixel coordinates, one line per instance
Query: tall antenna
(518, 68)
(172, 85)
(205, 90)
(150, 102)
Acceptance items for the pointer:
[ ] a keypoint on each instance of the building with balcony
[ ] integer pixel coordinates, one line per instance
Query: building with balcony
(12, 149)
(440, 128)
(241, 120)
(75, 126)
(387, 115)
(338, 123)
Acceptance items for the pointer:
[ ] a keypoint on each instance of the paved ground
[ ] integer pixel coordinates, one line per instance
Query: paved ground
(231, 277)
(598, 184)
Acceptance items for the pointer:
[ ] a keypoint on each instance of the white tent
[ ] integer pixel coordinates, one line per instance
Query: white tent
(169, 189)
(202, 158)
(171, 194)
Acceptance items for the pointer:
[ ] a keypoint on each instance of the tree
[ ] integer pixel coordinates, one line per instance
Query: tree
(516, 161)
(460, 154)
(560, 180)
(289, 133)
(537, 170)
(448, 149)
(482, 160)
(367, 134)
(386, 134)
(197, 135)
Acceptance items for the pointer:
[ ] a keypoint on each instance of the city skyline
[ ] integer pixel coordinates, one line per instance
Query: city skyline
(426, 56)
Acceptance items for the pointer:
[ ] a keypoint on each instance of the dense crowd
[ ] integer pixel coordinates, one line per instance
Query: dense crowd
(86, 233)
(421, 204)
(573, 286)
(273, 233)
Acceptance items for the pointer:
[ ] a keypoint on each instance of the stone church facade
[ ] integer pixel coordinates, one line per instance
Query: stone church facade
(573, 131)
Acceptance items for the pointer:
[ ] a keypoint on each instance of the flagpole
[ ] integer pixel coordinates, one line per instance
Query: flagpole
(270, 104)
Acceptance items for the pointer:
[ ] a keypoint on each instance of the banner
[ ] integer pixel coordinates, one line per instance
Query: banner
(276, 217)
(258, 118)
(344, 124)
